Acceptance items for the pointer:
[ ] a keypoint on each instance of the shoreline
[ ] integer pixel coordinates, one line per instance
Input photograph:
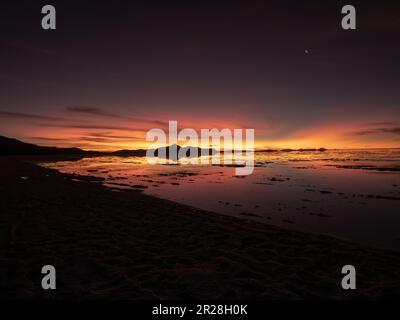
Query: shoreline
(128, 245)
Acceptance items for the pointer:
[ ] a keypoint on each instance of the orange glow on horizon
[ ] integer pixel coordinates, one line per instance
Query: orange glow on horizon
(116, 135)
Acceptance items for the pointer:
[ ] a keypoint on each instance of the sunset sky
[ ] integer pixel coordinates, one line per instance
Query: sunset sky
(113, 70)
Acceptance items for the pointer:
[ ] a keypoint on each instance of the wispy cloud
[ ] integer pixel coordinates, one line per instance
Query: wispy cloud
(114, 136)
(28, 116)
(96, 138)
(394, 130)
(91, 111)
(95, 111)
(95, 127)
(383, 123)
(107, 140)
(49, 139)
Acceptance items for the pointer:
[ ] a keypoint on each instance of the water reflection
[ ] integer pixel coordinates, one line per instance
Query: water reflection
(353, 194)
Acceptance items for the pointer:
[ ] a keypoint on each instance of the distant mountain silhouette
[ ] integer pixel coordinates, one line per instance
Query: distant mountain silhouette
(186, 151)
(10, 146)
(128, 153)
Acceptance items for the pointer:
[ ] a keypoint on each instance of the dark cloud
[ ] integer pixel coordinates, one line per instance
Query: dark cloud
(49, 139)
(95, 127)
(383, 123)
(93, 138)
(28, 116)
(113, 136)
(92, 111)
(395, 130)
(87, 110)
(107, 140)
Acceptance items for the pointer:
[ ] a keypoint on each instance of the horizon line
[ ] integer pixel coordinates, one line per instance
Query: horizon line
(259, 149)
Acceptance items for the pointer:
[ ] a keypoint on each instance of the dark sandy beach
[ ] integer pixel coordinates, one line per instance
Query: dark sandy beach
(127, 245)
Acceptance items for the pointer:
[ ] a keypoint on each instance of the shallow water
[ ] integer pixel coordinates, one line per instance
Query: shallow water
(352, 194)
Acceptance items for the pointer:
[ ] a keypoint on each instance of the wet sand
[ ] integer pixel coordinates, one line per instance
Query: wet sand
(128, 245)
